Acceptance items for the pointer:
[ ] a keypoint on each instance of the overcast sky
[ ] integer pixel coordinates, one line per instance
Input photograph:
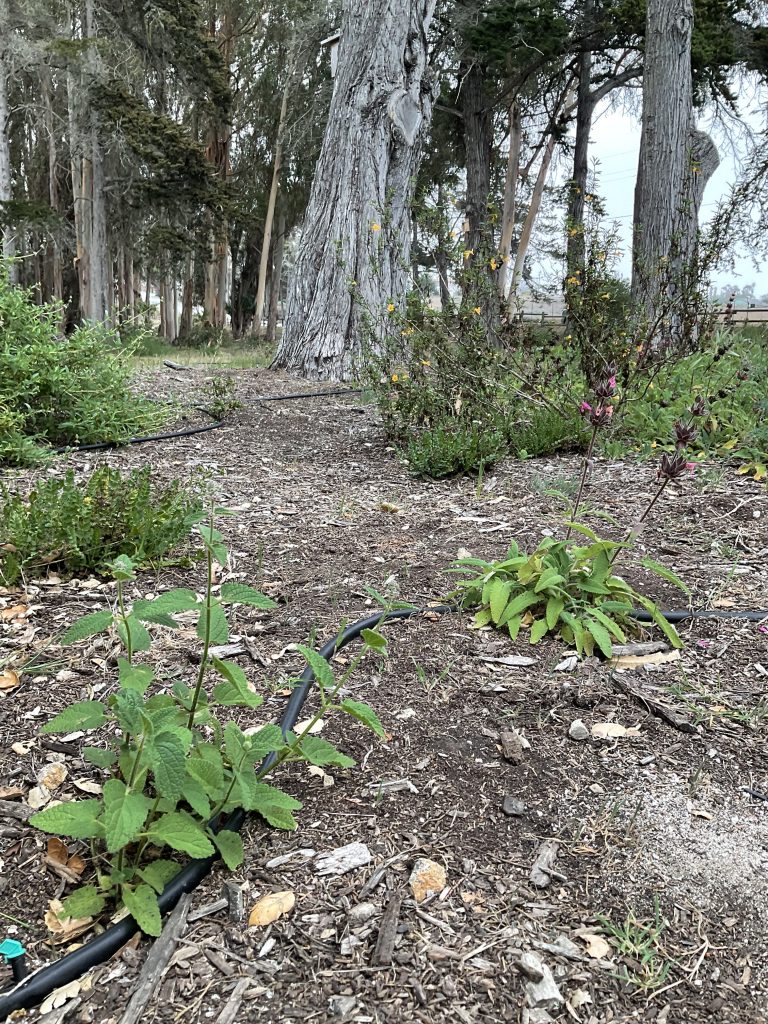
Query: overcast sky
(615, 144)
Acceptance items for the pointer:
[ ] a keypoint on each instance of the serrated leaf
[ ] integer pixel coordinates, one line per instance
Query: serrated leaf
(139, 637)
(167, 759)
(82, 716)
(268, 739)
(219, 628)
(538, 630)
(147, 611)
(667, 574)
(196, 796)
(321, 669)
(273, 805)
(374, 640)
(84, 902)
(178, 600)
(234, 691)
(207, 773)
(87, 627)
(77, 820)
(601, 635)
(100, 757)
(158, 873)
(134, 677)
(124, 814)
(319, 751)
(127, 706)
(239, 593)
(230, 846)
(141, 903)
(363, 714)
(181, 832)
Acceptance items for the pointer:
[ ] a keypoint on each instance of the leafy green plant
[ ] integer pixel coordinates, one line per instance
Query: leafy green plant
(640, 942)
(176, 769)
(74, 528)
(58, 391)
(560, 588)
(455, 448)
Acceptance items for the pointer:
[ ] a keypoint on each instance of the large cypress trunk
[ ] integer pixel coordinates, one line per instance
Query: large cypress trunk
(357, 225)
(661, 236)
(9, 239)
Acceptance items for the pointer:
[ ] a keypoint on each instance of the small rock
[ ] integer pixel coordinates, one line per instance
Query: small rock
(537, 1017)
(513, 807)
(578, 731)
(543, 869)
(343, 859)
(568, 664)
(341, 1006)
(542, 994)
(427, 877)
(512, 747)
(362, 912)
(531, 966)
(562, 946)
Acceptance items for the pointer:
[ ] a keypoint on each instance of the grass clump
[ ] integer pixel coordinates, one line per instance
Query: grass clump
(76, 528)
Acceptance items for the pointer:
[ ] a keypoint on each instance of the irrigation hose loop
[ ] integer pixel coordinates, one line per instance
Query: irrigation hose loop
(37, 986)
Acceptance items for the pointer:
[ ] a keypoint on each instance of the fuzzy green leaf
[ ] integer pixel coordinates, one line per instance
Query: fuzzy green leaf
(134, 677)
(667, 628)
(549, 578)
(167, 758)
(100, 757)
(601, 635)
(207, 768)
(195, 794)
(218, 624)
(610, 624)
(268, 739)
(363, 714)
(519, 604)
(320, 667)
(483, 617)
(371, 638)
(84, 902)
(230, 846)
(180, 831)
(77, 820)
(319, 751)
(239, 593)
(179, 600)
(158, 873)
(234, 691)
(84, 715)
(124, 814)
(513, 625)
(538, 629)
(86, 627)
(555, 606)
(273, 805)
(142, 905)
(140, 638)
(146, 611)
(498, 597)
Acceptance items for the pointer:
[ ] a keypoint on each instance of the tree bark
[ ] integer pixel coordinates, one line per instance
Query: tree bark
(585, 108)
(99, 255)
(510, 197)
(357, 225)
(9, 235)
(261, 288)
(530, 219)
(661, 235)
(275, 290)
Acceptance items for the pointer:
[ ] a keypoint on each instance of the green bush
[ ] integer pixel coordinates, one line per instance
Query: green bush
(75, 528)
(57, 391)
(545, 431)
(455, 448)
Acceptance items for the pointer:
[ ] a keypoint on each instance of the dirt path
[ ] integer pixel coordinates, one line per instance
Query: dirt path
(654, 827)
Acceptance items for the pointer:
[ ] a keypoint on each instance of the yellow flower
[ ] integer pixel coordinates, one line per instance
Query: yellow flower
(653, 444)
(453, 234)
(573, 232)
(467, 253)
(606, 296)
(651, 386)
(476, 310)
(394, 378)
(87, 501)
(425, 362)
(573, 280)
(390, 307)
(375, 227)
(494, 265)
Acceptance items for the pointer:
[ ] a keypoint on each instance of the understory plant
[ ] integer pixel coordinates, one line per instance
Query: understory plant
(176, 764)
(57, 390)
(571, 589)
(72, 527)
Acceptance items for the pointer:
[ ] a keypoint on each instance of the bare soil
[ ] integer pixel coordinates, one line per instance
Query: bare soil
(656, 908)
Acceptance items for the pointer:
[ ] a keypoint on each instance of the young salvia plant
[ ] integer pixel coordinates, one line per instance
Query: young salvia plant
(570, 589)
(175, 766)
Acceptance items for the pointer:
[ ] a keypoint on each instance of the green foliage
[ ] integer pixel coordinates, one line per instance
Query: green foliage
(561, 588)
(221, 397)
(75, 528)
(455, 448)
(174, 764)
(57, 391)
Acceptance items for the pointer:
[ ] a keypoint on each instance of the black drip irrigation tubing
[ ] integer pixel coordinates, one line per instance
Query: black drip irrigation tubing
(38, 985)
(190, 431)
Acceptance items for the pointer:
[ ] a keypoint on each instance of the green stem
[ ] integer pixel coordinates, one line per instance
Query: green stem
(648, 509)
(126, 626)
(583, 481)
(206, 640)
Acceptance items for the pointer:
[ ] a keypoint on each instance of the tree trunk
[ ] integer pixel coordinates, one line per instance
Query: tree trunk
(261, 288)
(185, 323)
(100, 290)
(357, 225)
(530, 219)
(9, 235)
(661, 236)
(478, 286)
(275, 290)
(585, 108)
(510, 197)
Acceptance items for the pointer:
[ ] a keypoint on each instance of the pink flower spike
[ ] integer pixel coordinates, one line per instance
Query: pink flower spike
(585, 407)
(763, 629)
(691, 467)
(612, 381)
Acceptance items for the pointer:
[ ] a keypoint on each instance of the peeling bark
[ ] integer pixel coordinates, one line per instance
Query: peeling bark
(357, 225)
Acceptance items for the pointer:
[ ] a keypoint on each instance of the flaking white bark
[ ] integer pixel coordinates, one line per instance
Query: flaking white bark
(357, 225)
